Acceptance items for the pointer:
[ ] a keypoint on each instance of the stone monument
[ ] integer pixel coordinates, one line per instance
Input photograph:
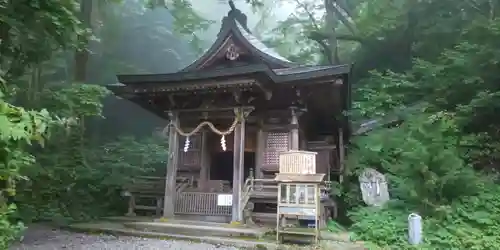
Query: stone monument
(373, 187)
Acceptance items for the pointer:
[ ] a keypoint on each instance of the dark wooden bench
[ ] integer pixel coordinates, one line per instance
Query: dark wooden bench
(143, 192)
(146, 193)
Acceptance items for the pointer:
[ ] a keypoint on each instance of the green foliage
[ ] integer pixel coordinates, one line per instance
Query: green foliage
(186, 20)
(42, 174)
(317, 32)
(335, 227)
(74, 100)
(426, 174)
(120, 161)
(8, 231)
(440, 163)
(96, 175)
(18, 128)
(32, 31)
(467, 223)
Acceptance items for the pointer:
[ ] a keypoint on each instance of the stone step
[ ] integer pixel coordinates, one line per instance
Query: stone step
(332, 241)
(118, 228)
(198, 229)
(128, 218)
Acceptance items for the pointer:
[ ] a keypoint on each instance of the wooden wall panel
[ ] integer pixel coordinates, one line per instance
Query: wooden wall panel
(275, 143)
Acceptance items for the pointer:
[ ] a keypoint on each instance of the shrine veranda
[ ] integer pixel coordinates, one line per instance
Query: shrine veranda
(231, 113)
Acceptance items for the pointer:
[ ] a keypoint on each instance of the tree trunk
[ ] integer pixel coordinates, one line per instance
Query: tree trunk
(331, 24)
(82, 54)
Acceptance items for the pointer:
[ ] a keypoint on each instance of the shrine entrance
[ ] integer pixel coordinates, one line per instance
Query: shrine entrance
(222, 162)
(221, 166)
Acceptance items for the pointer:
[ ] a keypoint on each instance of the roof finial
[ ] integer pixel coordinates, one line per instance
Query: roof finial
(237, 15)
(231, 4)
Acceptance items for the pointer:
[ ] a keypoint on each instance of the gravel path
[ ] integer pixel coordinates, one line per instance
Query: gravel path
(40, 237)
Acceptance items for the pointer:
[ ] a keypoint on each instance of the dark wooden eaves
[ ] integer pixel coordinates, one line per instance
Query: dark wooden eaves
(284, 75)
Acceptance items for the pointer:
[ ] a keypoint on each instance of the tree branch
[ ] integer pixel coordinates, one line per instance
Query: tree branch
(315, 35)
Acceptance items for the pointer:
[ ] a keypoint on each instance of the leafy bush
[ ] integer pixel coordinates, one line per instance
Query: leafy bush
(468, 223)
(8, 231)
(97, 179)
(18, 128)
(426, 174)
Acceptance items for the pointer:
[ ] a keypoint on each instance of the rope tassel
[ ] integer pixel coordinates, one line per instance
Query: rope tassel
(223, 142)
(186, 144)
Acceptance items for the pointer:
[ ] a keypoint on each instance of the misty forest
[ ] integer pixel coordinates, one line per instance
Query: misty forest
(68, 145)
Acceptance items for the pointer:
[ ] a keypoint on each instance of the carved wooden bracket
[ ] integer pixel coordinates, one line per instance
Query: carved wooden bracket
(172, 100)
(267, 92)
(296, 113)
(237, 96)
(243, 111)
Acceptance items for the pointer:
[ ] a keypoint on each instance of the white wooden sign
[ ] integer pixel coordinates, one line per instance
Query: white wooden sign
(224, 200)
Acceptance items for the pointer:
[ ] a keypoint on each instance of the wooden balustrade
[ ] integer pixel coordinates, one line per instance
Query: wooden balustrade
(200, 203)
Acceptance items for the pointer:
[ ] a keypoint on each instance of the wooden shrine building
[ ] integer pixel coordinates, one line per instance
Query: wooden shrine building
(231, 113)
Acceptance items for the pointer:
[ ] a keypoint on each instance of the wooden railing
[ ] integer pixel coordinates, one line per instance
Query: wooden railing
(262, 188)
(200, 203)
(182, 183)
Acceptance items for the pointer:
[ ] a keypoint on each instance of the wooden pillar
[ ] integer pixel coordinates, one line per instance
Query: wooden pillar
(341, 150)
(239, 164)
(294, 130)
(204, 163)
(259, 153)
(238, 167)
(172, 165)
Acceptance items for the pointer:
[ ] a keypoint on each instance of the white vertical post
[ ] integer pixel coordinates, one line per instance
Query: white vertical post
(414, 229)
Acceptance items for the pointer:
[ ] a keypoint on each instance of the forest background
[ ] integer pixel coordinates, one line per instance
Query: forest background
(432, 62)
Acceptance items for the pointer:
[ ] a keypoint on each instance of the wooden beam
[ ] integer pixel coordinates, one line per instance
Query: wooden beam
(213, 109)
(202, 85)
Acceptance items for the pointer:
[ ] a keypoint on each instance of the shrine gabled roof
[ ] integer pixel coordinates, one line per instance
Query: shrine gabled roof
(234, 32)
(246, 57)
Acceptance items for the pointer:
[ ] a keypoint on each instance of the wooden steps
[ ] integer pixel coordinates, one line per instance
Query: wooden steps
(264, 218)
(264, 195)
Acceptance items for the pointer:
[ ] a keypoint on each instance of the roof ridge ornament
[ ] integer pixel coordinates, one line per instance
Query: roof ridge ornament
(236, 15)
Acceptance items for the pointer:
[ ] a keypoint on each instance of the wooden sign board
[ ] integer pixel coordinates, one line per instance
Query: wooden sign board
(299, 211)
(224, 200)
